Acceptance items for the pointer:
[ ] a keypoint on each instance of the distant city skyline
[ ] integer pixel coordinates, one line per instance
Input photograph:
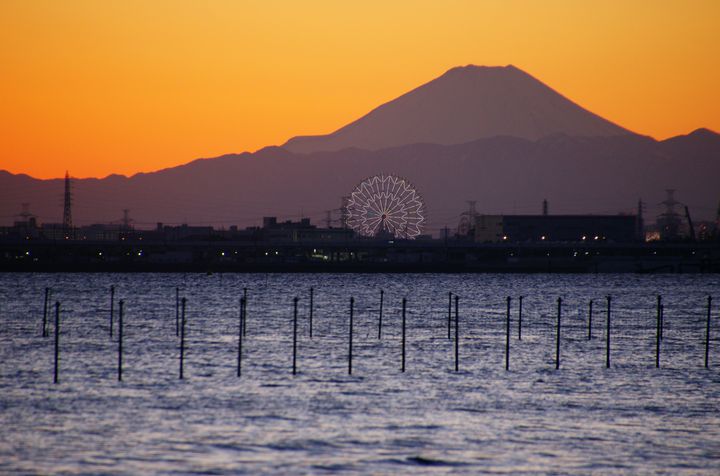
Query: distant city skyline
(102, 88)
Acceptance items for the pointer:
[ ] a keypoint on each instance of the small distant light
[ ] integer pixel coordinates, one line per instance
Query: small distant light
(222, 254)
(504, 237)
(314, 250)
(276, 253)
(140, 253)
(266, 253)
(99, 253)
(27, 253)
(542, 237)
(584, 237)
(597, 237)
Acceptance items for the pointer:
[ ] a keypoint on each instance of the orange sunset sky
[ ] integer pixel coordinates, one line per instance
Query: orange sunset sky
(100, 87)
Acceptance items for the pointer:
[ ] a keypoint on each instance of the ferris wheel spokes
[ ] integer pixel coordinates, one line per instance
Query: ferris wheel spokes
(386, 203)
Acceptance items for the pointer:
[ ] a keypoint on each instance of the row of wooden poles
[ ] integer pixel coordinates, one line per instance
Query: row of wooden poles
(452, 324)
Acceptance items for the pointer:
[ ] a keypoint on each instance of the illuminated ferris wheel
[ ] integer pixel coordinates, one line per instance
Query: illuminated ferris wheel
(386, 204)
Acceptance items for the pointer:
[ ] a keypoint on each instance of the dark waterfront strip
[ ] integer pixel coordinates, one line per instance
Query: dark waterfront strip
(399, 256)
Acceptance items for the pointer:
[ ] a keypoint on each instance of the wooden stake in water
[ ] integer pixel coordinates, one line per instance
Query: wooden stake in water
(662, 321)
(350, 339)
(294, 360)
(121, 303)
(607, 342)
(590, 320)
(312, 295)
(57, 342)
(240, 336)
(557, 337)
(657, 332)
(382, 296)
(457, 336)
(507, 335)
(404, 302)
(449, 323)
(707, 332)
(182, 335)
(244, 312)
(520, 318)
(45, 311)
(177, 311)
(112, 308)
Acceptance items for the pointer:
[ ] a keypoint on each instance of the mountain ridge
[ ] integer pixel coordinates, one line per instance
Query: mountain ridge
(504, 174)
(701, 132)
(463, 104)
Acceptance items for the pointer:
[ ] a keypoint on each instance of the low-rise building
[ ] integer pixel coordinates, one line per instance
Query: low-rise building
(565, 228)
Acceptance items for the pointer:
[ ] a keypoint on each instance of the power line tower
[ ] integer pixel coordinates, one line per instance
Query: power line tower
(67, 208)
(471, 208)
(126, 220)
(328, 218)
(344, 211)
(669, 222)
(545, 207)
(640, 222)
(466, 226)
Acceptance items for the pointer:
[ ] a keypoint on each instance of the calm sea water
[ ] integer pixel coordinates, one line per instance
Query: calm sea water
(628, 419)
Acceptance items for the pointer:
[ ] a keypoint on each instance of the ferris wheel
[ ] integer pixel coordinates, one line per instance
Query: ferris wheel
(386, 204)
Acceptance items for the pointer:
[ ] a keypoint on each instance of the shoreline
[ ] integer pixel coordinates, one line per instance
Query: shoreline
(357, 256)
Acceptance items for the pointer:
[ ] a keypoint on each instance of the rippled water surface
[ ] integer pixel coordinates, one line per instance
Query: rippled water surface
(583, 418)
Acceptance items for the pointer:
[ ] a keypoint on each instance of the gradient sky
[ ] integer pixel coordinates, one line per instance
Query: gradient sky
(100, 87)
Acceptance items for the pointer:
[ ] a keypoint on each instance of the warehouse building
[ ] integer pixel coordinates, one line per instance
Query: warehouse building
(555, 228)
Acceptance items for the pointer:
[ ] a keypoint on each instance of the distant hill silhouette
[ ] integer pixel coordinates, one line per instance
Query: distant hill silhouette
(504, 174)
(465, 104)
(491, 134)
